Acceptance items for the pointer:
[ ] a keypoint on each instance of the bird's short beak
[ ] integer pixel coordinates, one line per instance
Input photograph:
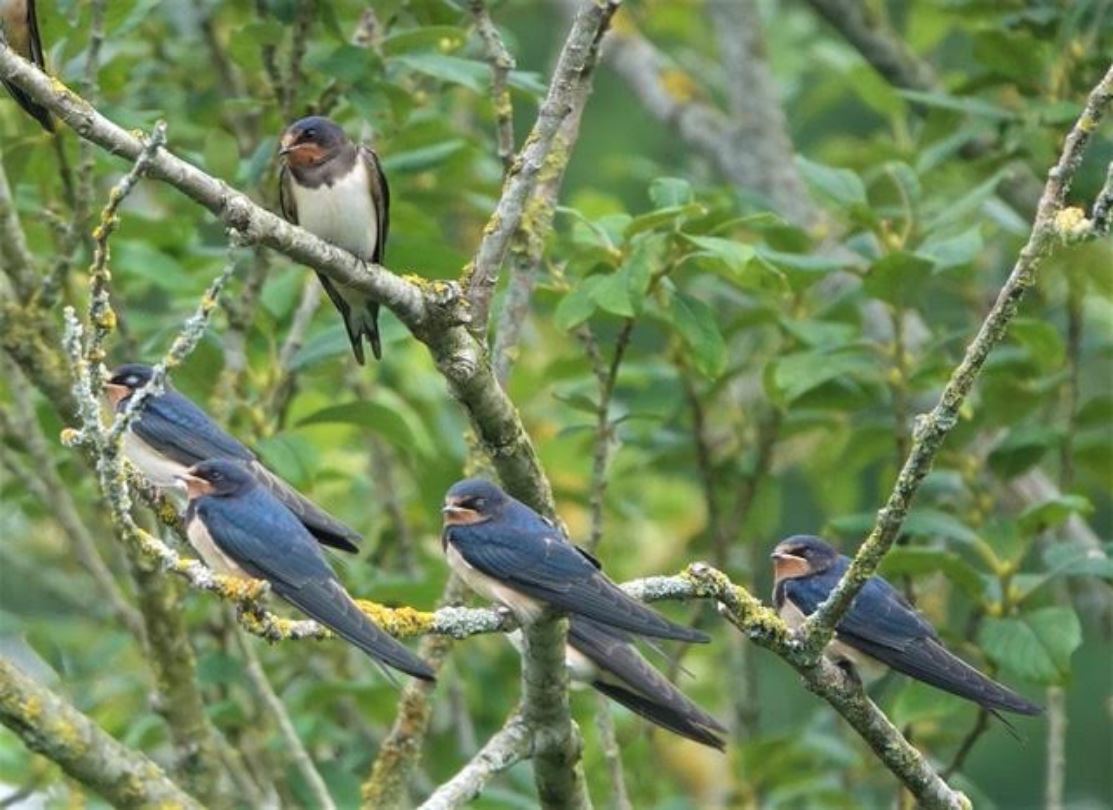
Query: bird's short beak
(195, 487)
(778, 555)
(115, 393)
(286, 145)
(456, 515)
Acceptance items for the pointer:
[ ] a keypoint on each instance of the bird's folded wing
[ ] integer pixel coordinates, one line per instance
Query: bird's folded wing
(264, 538)
(177, 428)
(629, 679)
(380, 199)
(538, 562)
(321, 524)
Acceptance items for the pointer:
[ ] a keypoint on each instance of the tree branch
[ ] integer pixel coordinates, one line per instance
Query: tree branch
(52, 727)
(501, 64)
(571, 82)
(1053, 223)
(879, 45)
(507, 747)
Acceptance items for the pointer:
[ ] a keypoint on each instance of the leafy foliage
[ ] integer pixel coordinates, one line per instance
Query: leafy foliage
(747, 330)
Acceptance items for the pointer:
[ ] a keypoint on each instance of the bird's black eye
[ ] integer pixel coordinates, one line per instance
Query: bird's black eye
(131, 380)
(478, 503)
(310, 133)
(216, 475)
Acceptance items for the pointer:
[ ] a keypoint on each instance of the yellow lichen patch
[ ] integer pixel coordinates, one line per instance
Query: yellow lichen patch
(1072, 222)
(32, 709)
(678, 84)
(239, 589)
(401, 621)
(69, 436)
(166, 512)
(106, 319)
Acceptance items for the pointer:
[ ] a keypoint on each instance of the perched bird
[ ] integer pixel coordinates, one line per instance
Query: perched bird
(880, 625)
(240, 529)
(336, 190)
(20, 27)
(607, 660)
(172, 434)
(506, 552)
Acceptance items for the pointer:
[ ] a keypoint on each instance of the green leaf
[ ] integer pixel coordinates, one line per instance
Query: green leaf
(578, 305)
(1075, 560)
(1053, 512)
(388, 416)
(918, 561)
(953, 251)
(427, 157)
(1036, 646)
(898, 278)
(695, 323)
(1022, 449)
(662, 216)
(670, 192)
(470, 73)
(841, 186)
(612, 295)
(796, 374)
(970, 106)
(347, 63)
(430, 37)
(1042, 340)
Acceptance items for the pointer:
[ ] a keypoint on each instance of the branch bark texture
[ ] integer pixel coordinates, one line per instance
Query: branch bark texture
(49, 725)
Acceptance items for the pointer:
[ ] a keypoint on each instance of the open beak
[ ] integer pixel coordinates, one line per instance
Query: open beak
(195, 487)
(115, 393)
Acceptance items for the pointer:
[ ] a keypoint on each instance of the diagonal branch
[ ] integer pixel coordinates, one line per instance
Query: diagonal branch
(571, 83)
(1053, 223)
(52, 727)
(506, 748)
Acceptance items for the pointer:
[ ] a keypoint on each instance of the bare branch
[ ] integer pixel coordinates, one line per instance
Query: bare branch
(571, 81)
(870, 34)
(18, 263)
(1053, 223)
(507, 747)
(501, 64)
(52, 727)
(277, 711)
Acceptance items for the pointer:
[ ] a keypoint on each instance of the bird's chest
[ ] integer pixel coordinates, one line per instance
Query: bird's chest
(524, 608)
(156, 468)
(13, 21)
(342, 213)
(216, 559)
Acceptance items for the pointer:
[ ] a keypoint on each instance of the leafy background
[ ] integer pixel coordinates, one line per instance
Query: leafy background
(734, 309)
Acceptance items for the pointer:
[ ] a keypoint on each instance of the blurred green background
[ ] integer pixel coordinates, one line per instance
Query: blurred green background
(742, 334)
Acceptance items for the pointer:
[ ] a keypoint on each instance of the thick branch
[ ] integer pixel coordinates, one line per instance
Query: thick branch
(49, 725)
(1052, 223)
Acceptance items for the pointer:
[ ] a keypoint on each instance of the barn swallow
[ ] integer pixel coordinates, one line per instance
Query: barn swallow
(336, 190)
(880, 625)
(607, 660)
(240, 529)
(506, 552)
(20, 27)
(172, 433)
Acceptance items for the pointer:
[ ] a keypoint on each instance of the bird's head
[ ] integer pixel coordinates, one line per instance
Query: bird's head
(219, 477)
(474, 500)
(311, 141)
(125, 381)
(801, 556)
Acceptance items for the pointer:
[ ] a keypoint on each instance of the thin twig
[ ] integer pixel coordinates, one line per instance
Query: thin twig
(501, 64)
(508, 746)
(276, 710)
(571, 80)
(1053, 222)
